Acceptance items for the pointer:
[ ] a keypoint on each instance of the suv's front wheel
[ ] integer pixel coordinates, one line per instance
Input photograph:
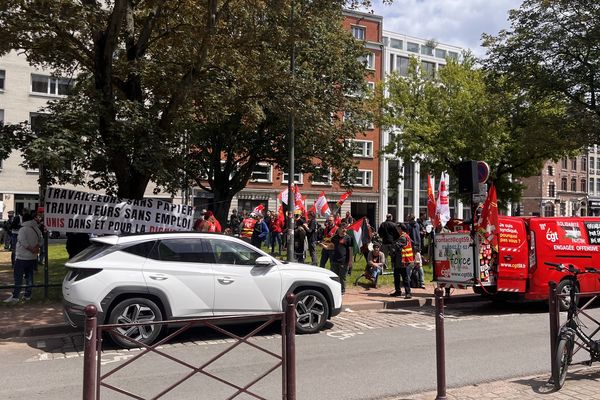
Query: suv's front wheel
(312, 311)
(133, 311)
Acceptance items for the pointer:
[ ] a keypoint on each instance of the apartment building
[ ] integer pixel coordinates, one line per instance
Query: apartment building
(561, 189)
(403, 189)
(24, 91)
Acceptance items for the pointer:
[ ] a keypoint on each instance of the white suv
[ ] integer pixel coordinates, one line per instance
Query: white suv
(163, 276)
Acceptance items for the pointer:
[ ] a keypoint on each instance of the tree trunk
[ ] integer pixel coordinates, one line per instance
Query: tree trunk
(222, 202)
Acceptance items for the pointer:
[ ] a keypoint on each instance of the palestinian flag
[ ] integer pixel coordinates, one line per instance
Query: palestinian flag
(360, 232)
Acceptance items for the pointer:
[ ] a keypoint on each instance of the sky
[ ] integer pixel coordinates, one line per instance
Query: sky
(454, 22)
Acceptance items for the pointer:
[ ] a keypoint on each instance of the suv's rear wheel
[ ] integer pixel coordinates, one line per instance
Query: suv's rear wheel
(133, 311)
(312, 311)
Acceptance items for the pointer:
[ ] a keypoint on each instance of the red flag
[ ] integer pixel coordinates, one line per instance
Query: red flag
(343, 198)
(488, 223)
(258, 210)
(281, 216)
(431, 205)
(321, 206)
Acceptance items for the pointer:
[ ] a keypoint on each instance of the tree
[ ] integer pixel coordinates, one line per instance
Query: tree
(553, 48)
(156, 79)
(229, 134)
(135, 62)
(466, 113)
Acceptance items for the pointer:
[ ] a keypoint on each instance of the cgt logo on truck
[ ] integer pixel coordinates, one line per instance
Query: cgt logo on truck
(551, 236)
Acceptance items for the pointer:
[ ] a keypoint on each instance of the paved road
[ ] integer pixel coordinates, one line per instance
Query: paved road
(362, 355)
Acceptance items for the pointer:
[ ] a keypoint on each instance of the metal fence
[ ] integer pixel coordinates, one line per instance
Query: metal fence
(94, 379)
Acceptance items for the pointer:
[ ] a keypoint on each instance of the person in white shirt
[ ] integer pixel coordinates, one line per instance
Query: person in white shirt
(29, 242)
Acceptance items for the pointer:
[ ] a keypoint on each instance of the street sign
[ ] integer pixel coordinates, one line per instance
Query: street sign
(483, 171)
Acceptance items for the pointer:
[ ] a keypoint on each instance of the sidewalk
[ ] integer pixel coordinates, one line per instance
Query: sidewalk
(581, 384)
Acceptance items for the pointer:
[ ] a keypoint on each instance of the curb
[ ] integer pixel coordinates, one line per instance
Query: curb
(33, 331)
(411, 303)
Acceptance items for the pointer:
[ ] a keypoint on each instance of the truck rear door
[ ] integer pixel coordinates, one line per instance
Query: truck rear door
(513, 255)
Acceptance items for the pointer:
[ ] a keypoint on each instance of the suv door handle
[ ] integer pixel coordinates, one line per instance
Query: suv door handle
(159, 277)
(226, 280)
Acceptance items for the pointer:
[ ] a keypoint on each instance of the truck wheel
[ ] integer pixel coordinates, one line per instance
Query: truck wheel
(312, 311)
(135, 310)
(564, 287)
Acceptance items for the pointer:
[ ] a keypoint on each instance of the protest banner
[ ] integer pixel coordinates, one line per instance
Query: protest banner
(69, 210)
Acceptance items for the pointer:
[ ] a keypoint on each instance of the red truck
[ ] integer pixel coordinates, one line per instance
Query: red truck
(517, 270)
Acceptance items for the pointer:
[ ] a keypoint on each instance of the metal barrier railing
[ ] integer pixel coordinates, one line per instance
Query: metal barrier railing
(93, 379)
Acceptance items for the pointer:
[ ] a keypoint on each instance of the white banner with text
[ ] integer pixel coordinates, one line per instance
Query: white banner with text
(67, 210)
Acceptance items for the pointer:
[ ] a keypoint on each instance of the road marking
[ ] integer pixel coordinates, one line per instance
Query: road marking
(108, 358)
(343, 334)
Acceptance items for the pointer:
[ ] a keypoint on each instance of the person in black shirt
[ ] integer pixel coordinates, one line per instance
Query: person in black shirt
(311, 236)
(341, 259)
(388, 232)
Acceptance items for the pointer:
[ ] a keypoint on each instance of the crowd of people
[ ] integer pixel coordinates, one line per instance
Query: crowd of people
(402, 243)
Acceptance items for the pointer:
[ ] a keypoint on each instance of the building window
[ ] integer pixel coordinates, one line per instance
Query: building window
(439, 53)
(392, 63)
(359, 32)
(412, 47)
(371, 87)
(549, 210)
(584, 163)
(551, 189)
(453, 55)
(261, 173)
(597, 184)
(363, 178)
(428, 69)
(402, 63)
(563, 184)
(362, 148)
(550, 170)
(370, 61)
(598, 164)
(592, 164)
(324, 179)
(574, 164)
(563, 163)
(573, 185)
(583, 185)
(427, 50)
(47, 85)
(297, 178)
(1, 117)
(591, 185)
(396, 44)
(2, 78)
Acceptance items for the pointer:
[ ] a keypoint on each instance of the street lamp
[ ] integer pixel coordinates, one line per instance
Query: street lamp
(290, 186)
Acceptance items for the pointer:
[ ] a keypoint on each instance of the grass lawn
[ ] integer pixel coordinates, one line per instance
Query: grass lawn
(57, 257)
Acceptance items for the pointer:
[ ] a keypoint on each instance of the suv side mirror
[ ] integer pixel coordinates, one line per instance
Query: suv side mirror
(264, 261)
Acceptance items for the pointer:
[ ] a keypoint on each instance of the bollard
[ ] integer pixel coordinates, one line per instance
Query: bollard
(554, 313)
(290, 346)
(89, 353)
(439, 344)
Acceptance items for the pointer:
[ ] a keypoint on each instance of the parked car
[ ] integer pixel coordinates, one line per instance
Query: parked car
(166, 276)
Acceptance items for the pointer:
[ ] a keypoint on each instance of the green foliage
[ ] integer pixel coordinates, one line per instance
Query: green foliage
(159, 79)
(467, 113)
(553, 49)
